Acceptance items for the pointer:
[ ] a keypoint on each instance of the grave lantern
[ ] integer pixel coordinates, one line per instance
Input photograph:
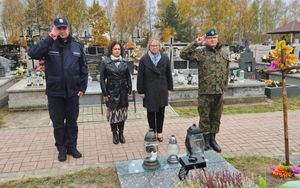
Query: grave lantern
(151, 151)
(194, 141)
(173, 150)
(2, 70)
(28, 79)
(39, 78)
(189, 78)
(232, 77)
(194, 144)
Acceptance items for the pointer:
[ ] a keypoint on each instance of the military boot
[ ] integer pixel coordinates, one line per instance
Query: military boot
(114, 129)
(213, 143)
(207, 142)
(121, 131)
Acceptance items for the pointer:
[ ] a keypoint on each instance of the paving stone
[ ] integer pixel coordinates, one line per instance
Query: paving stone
(31, 142)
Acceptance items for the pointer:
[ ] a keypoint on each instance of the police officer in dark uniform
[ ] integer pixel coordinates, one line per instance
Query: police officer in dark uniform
(213, 68)
(66, 81)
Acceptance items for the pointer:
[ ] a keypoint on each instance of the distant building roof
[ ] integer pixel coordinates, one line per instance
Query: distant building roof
(291, 27)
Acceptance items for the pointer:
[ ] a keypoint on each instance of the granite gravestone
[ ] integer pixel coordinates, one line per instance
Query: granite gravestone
(131, 173)
(93, 63)
(94, 57)
(247, 61)
(183, 66)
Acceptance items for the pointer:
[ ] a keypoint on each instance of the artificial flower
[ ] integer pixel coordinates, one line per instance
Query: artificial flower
(273, 65)
(290, 59)
(282, 171)
(295, 169)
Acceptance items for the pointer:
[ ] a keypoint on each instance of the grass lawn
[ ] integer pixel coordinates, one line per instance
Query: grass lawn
(275, 105)
(92, 177)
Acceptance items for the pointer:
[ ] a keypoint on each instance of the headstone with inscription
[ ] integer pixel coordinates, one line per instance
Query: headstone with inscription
(183, 66)
(93, 63)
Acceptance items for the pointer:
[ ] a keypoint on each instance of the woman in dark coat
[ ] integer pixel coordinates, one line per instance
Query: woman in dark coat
(154, 85)
(115, 82)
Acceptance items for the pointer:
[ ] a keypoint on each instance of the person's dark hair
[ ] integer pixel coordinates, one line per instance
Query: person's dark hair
(110, 47)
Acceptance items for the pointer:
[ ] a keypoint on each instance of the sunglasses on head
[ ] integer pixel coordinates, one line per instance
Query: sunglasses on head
(61, 28)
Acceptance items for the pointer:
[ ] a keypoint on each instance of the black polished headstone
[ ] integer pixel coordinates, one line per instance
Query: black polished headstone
(180, 64)
(93, 64)
(247, 61)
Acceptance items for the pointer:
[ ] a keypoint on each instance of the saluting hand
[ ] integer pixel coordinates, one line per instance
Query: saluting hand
(199, 40)
(54, 33)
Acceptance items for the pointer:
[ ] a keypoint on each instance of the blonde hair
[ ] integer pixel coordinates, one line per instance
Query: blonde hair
(151, 40)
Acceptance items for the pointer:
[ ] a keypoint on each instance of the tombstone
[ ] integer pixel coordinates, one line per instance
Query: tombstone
(96, 50)
(11, 52)
(247, 61)
(296, 47)
(93, 64)
(129, 52)
(130, 66)
(183, 66)
(2, 70)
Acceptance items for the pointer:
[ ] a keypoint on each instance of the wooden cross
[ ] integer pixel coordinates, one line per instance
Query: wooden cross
(284, 102)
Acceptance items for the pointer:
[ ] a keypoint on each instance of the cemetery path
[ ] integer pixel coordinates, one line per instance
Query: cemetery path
(29, 149)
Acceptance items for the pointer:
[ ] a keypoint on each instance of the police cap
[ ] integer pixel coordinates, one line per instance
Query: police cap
(60, 22)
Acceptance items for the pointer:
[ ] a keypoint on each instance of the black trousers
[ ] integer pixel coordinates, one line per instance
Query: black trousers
(63, 114)
(156, 120)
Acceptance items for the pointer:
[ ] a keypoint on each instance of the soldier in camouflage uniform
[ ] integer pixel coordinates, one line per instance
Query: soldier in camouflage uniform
(213, 68)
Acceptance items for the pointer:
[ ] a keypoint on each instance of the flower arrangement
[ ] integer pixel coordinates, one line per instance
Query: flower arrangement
(277, 62)
(216, 180)
(267, 59)
(283, 171)
(20, 71)
(272, 83)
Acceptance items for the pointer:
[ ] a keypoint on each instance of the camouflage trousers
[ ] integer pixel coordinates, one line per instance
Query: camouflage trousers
(210, 108)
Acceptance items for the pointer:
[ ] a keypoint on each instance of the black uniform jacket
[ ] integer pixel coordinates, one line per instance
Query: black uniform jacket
(65, 67)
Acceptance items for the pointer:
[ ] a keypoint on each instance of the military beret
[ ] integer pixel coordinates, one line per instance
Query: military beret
(60, 22)
(211, 32)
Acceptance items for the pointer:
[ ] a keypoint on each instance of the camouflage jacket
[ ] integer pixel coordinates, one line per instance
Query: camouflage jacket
(213, 67)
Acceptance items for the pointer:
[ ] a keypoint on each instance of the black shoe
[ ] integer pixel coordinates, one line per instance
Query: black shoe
(115, 137)
(214, 143)
(62, 155)
(121, 131)
(114, 130)
(207, 145)
(74, 152)
(121, 138)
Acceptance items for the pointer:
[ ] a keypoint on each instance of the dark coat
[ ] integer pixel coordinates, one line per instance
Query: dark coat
(115, 82)
(65, 67)
(154, 82)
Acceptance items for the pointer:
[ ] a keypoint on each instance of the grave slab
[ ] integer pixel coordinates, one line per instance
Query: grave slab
(131, 173)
